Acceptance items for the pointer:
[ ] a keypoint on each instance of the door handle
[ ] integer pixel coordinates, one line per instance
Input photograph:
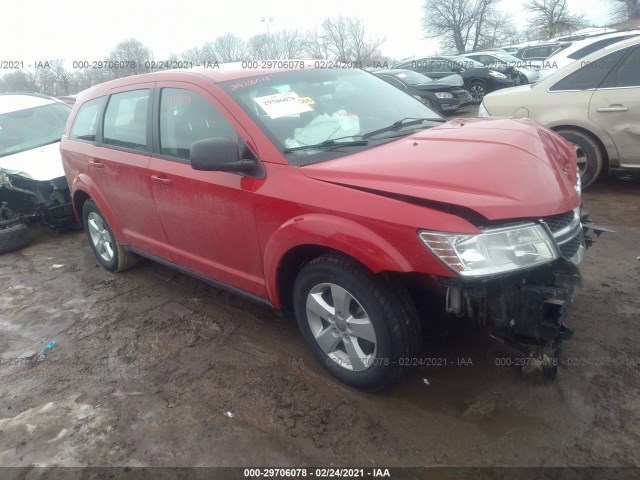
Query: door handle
(612, 108)
(96, 163)
(163, 180)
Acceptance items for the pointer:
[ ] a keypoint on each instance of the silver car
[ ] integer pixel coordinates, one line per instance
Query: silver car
(594, 103)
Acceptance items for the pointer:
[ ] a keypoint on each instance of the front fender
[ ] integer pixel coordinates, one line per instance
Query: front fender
(337, 233)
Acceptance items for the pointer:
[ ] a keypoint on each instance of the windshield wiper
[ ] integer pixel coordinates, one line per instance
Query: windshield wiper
(330, 142)
(405, 122)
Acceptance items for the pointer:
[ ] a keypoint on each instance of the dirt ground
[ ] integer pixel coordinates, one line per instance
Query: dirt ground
(154, 368)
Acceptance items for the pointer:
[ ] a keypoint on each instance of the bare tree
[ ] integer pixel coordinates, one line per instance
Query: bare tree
(552, 18)
(343, 39)
(229, 48)
(314, 45)
(20, 81)
(130, 57)
(624, 10)
(276, 46)
(460, 24)
(61, 77)
(498, 29)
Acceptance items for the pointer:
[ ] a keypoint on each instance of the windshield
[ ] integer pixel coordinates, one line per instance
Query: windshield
(413, 78)
(303, 108)
(32, 128)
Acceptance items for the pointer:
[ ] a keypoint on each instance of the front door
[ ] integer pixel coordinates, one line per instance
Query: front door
(208, 217)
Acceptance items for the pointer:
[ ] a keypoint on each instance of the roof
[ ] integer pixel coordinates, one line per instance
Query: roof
(12, 102)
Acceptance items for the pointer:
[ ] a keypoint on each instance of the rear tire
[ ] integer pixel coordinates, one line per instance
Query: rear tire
(108, 251)
(14, 238)
(590, 156)
(362, 328)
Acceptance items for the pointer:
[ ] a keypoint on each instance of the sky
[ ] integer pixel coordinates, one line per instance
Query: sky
(32, 31)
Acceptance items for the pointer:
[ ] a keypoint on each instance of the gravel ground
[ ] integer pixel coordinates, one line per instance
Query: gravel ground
(153, 368)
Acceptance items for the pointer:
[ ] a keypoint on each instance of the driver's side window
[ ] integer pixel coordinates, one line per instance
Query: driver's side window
(186, 117)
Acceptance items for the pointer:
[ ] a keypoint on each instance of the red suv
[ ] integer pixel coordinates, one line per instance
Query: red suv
(335, 197)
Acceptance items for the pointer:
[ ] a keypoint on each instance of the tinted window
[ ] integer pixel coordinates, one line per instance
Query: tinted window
(125, 121)
(627, 74)
(595, 46)
(590, 74)
(186, 117)
(86, 122)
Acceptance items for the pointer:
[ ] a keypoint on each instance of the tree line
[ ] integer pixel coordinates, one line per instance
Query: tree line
(342, 39)
(468, 25)
(461, 26)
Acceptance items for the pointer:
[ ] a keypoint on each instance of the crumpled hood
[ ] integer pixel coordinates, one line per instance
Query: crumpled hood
(42, 163)
(500, 168)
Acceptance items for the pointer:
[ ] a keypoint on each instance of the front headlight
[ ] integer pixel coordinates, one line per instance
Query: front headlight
(443, 95)
(496, 74)
(496, 250)
(482, 111)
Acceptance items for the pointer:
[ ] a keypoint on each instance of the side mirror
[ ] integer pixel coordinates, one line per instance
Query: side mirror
(219, 154)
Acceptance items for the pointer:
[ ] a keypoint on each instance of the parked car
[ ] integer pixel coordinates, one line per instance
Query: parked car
(336, 198)
(33, 186)
(490, 59)
(444, 95)
(580, 49)
(593, 103)
(535, 55)
(478, 80)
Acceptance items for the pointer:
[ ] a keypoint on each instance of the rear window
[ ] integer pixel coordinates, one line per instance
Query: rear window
(85, 124)
(595, 46)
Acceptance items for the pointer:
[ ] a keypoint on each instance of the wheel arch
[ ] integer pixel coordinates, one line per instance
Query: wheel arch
(299, 241)
(83, 189)
(605, 149)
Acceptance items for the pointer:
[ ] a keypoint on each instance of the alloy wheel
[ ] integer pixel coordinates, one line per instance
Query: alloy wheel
(341, 327)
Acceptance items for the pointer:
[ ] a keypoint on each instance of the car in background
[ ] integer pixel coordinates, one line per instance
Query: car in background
(594, 103)
(33, 186)
(478, 80)
(580, 49)
(444, 95)
(510, 50)
(492, 59)
(534, 55)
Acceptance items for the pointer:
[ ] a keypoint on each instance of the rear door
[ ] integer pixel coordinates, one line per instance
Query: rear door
(615, 106)
(118, 167)
(208, 217)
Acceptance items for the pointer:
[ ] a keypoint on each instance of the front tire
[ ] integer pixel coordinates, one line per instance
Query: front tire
(14, 238)
(589, 153)
(362, 328)
(108, 251)
(477, 89)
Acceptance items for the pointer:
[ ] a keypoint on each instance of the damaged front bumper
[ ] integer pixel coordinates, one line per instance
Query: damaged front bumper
(25, 199)
(528, 309)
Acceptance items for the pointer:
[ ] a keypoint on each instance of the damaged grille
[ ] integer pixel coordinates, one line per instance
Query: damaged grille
(558, 222)
(570, 248)
(566, 229)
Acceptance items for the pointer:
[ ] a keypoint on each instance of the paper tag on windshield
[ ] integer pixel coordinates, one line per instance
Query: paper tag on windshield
(282, 104)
